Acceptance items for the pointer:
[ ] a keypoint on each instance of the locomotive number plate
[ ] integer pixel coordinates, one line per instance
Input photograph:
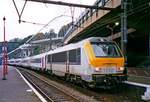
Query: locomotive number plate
(109, 70)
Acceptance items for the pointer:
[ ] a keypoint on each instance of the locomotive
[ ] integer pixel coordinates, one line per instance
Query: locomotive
(94, 61)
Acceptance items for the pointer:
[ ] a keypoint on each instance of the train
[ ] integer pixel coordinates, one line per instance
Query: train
(94, 62)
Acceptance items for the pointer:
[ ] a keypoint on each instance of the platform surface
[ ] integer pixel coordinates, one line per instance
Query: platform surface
(139, 75)
(14, 89)
(139, 79)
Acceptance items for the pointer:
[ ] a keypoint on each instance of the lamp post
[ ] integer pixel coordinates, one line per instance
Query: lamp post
(4, 55)
(124, 28)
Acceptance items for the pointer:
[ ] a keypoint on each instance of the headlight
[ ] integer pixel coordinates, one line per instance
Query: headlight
(121, 68)
(97, 69)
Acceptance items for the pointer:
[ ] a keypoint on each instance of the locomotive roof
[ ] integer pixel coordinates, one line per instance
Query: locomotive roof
(69, 47)
(77, 45)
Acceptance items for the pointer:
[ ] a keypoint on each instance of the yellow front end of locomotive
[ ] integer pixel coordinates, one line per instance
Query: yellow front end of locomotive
(104, 64)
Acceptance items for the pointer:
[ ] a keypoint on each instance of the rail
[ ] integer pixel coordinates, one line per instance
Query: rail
(67, 90)
(143, 72)
(51, 92)
(125, 92)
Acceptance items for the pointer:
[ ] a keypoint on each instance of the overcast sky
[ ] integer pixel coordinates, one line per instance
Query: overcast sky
(35, 12)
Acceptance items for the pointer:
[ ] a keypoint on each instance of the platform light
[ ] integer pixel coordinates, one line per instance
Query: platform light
(111, 27)
(116, 23)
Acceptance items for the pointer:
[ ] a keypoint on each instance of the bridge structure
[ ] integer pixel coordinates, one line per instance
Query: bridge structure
(89, 21)
(99, 22)
(108, 23)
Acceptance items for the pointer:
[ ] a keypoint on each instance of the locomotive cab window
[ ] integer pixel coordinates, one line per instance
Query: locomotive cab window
(105, 49)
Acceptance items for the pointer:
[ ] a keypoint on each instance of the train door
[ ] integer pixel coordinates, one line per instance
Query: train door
(50, 63)
(67, 62)
(42, 62)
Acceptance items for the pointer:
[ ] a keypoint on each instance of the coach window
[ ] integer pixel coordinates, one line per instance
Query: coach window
(17, 61)
(25, 61)
(78, 56)
(59, 57)
(11, 61)
(74, 56)
(37, 60)
(49, 58)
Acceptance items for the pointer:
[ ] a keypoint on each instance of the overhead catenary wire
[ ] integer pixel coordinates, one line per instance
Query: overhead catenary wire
(46, 25)
(61, 3)
(38, 31)
(72, 14)
(130, 12)
(19, 14)
(71, 4)
(102, 23)
(32, 22)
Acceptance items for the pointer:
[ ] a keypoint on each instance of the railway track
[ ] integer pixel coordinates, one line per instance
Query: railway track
(49, 91)
(124, 94)
(53, 92)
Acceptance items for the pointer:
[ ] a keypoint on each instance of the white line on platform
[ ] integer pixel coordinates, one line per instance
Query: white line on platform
(146, 95)
(34, 90)
(139, 76)
(137, 84)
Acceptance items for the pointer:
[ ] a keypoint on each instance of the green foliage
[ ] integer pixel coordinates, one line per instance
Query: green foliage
(36, 51)
(63, 30)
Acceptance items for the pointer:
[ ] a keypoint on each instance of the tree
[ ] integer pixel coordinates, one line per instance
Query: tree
(63, 30)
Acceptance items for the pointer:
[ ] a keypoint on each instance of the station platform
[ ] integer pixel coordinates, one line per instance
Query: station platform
(15, 89)
(139, 75)
(139, 79)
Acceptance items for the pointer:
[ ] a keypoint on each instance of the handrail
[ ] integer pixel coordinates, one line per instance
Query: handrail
(85, 14)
